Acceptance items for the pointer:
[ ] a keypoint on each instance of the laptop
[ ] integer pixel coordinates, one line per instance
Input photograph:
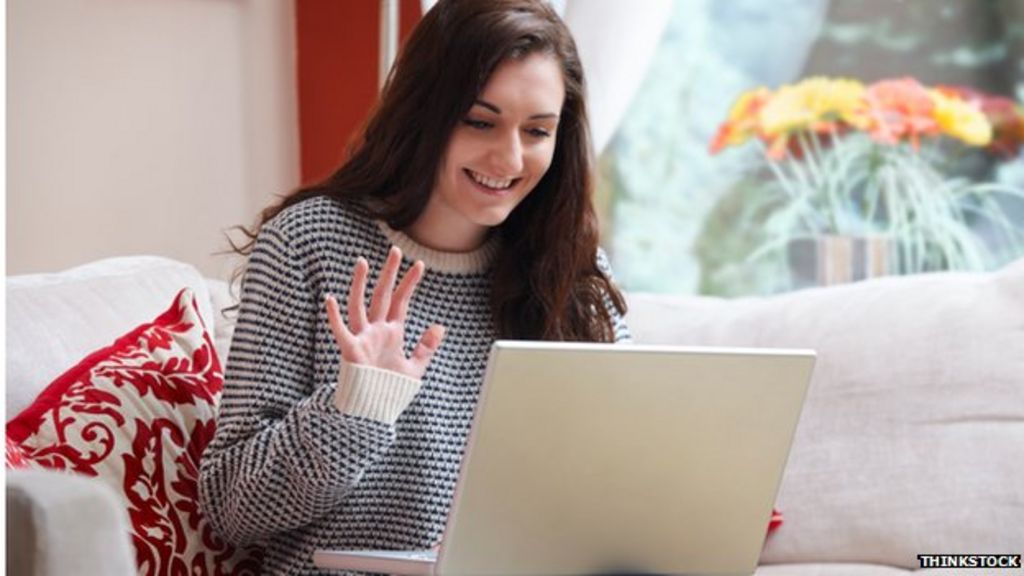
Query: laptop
(615, 459)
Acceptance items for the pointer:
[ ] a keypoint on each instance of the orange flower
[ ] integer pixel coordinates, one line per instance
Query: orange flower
(742, 122)
(898, 109)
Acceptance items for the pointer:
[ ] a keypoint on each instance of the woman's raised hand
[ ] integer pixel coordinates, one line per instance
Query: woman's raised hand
(376, 337)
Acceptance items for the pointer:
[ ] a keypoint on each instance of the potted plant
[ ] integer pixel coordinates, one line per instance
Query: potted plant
(858, 183)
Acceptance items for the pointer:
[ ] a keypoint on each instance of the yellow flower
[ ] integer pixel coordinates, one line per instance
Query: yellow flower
(812, 102)
(961, 120)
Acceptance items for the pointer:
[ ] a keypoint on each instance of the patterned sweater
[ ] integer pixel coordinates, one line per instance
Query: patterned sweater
(291, 470)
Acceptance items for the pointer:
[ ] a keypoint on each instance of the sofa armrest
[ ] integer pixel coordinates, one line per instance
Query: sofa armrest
(61, 523)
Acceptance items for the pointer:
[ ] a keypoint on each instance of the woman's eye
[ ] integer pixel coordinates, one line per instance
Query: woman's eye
(477, 124)
(539, 133)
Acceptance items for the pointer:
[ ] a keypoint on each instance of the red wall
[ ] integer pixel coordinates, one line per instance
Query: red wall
(337, 43)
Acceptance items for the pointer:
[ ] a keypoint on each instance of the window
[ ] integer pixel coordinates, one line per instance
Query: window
(678, 217)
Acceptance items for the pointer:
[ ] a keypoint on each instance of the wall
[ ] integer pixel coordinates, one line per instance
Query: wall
(336, 94)
(145, 126)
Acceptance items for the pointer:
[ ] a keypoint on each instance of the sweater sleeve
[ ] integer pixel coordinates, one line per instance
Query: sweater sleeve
(284, 453)
(622, 334)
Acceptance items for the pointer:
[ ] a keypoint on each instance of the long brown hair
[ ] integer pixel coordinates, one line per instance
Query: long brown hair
(546, 283)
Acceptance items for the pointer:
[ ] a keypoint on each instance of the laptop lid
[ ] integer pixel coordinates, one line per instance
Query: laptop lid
(621, 459)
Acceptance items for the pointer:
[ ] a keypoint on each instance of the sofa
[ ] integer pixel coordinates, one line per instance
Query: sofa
(911, 440)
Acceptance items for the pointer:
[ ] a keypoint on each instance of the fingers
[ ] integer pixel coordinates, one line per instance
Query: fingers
(400, 304)
(428, 344)
(342, 336)
(357, 297)
(385, 285)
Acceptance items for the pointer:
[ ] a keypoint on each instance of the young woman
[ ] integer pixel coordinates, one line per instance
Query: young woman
(463, 215)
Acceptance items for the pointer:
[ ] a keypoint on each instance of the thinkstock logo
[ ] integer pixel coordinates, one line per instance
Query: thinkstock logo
(969, 560)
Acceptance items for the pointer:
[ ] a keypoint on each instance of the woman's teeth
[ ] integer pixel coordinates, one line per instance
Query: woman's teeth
(491, 183)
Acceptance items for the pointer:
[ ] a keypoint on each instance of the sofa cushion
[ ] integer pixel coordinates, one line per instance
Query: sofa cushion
(138, 415)
(221, 300)
(912, 436)
(53, 320)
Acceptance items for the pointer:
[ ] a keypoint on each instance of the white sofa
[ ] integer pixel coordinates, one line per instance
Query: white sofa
(911, 441)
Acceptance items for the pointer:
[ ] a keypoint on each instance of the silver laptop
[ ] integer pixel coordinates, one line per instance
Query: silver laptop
(615, 459)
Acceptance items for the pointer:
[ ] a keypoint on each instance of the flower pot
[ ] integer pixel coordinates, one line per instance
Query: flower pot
(827, 260)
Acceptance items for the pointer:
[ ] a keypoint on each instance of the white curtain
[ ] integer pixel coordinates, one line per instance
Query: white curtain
(616, 40)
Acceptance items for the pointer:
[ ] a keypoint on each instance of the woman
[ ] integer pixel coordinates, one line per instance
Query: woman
(470, 189)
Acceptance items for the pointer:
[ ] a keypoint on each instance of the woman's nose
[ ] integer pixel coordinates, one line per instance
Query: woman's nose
(507, 156)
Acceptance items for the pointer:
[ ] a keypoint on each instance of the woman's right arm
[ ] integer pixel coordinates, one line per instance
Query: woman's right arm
(282, 457)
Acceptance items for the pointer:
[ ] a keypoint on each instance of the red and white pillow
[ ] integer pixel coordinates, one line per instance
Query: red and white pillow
(776, 522)
(138, 415)
(16, 458)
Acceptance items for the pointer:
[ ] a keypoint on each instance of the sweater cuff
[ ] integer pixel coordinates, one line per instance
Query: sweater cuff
(373, 393)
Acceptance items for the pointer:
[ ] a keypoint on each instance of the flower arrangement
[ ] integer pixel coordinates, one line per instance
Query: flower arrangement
(856, 160)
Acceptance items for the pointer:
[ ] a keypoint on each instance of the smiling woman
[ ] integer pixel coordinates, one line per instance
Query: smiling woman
(495, 156)
(466, 210)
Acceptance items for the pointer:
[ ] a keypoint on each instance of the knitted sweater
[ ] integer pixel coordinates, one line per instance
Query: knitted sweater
(291, 470)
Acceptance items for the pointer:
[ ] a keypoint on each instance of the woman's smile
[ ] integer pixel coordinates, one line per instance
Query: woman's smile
(491, 186)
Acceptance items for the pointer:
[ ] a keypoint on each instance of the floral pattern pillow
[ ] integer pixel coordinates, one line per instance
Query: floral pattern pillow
(15, 457)
(776, 520)
(138, 416)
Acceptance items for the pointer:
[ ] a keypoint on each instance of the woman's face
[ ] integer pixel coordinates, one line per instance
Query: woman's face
(496, 155)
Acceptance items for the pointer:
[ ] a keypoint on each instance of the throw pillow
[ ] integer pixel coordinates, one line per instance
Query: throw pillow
(15, 457)
(137, 415)
(776, 520)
